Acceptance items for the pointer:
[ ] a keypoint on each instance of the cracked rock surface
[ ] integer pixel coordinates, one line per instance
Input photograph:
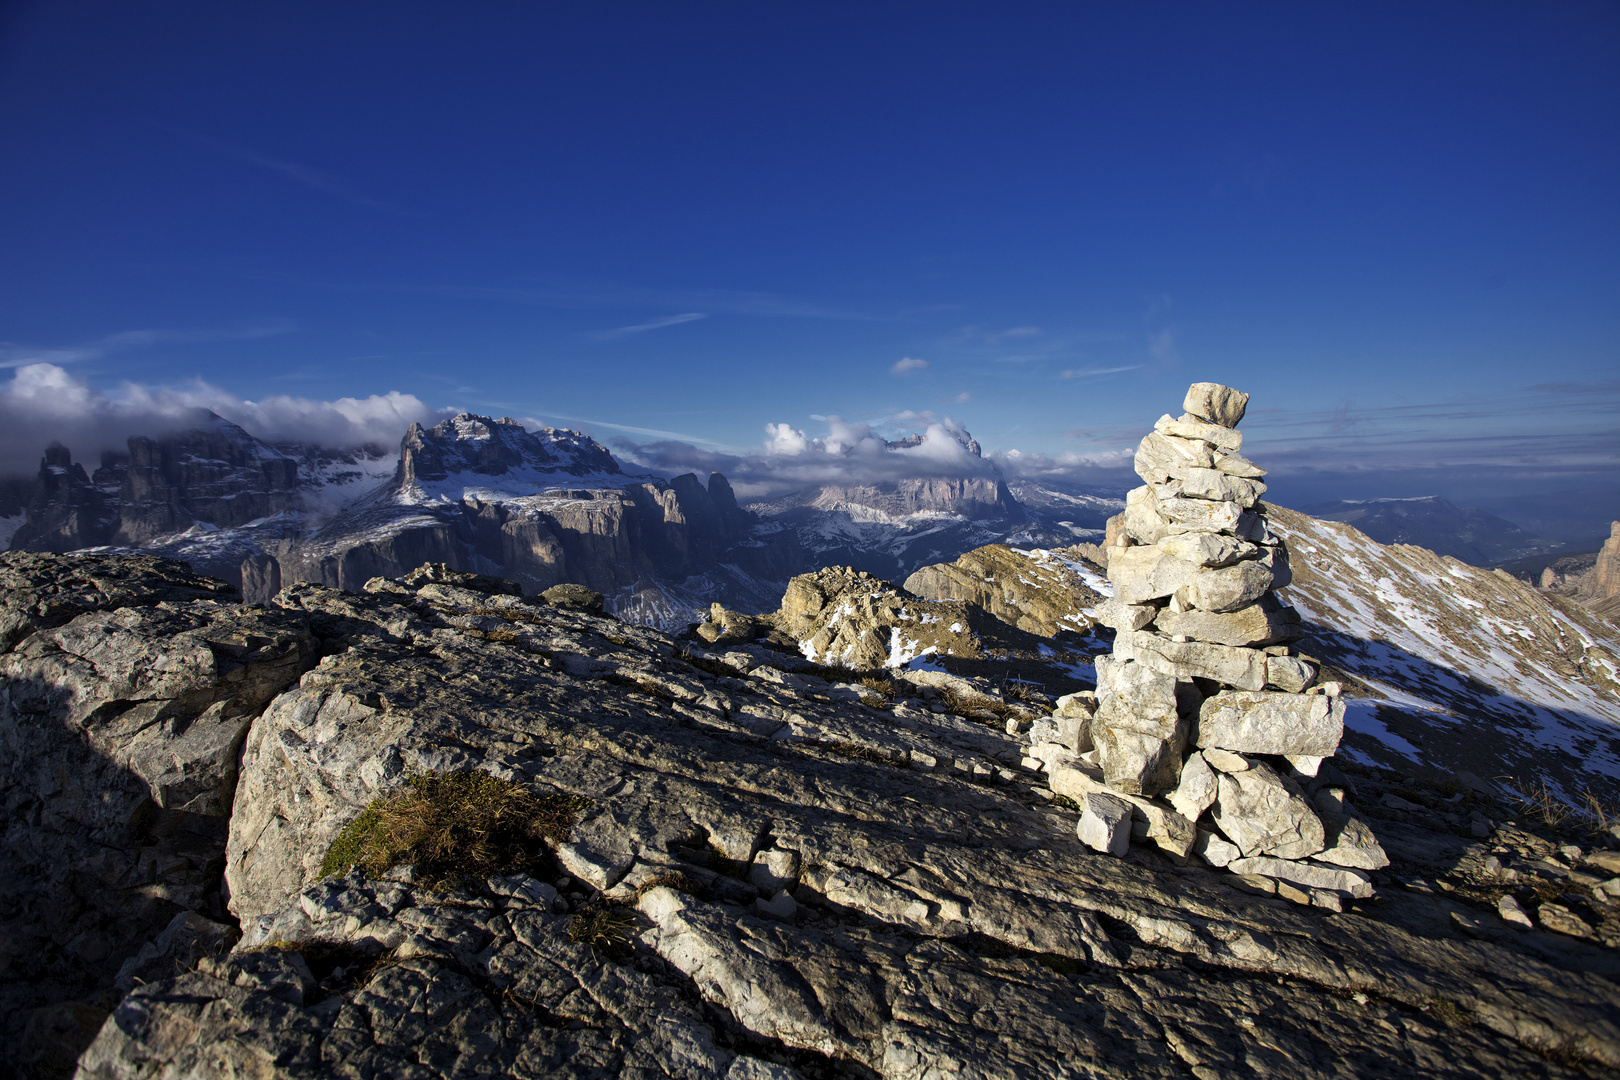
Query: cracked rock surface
(941, 914)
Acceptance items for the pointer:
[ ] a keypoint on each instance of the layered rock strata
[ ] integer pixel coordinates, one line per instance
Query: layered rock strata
(812, 879)
(1205, 719)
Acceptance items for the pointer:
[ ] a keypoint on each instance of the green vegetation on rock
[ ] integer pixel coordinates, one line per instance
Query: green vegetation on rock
(453, 827)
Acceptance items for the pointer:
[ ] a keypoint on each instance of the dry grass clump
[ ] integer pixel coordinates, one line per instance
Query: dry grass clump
(454, 828)
(669, 879)
(605, 928)
(1541, 803)
(884, 687)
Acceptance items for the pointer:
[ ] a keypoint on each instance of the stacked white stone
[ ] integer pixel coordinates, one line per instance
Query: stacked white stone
(1203, 701)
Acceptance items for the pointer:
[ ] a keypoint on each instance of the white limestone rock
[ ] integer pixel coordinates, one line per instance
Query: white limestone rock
(1148, 518)
(1184, 660)
(1117, 616)
(1190, 427)
(1196, 790)
(1158, 456)
(1214, 849)
(1105, 824)
(1216, 403)
(1264, 814)
(1264, 623)
(1139, 730)
(1238, 465)
(1148, 572)
(1349, 842)
(1272, 723)
(1290, 673)
(1230, 587)
(1217, 486)
(1208, 549)
(1225, 760)
(1306, 875)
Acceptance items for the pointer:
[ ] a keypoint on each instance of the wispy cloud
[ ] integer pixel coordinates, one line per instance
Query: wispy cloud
(642, 328)
(14, 355)
(1090, 373)
(309, 177)
(907, 364)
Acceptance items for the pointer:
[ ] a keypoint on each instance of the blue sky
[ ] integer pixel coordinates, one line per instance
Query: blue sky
(1388, 222)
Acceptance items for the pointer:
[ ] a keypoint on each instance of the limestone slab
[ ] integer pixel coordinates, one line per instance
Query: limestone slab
(1263, 814)
(1272, 723)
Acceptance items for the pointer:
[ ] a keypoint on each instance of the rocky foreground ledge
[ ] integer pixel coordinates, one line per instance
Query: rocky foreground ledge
(771, 868)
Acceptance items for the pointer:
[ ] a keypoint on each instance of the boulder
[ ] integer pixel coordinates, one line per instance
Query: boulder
(1184, 660)
(1117, 616)
(1231, 587)
(1215, 403)
(1190, 427)
(1264, 814)
(1148, 518)
(1272, 723)
(1306, 875)
(1041, 592)
(1265, 622)
(1217, 486)
(1147, 573)
(1196, 789)
(1214, 850)
(1159, 456)
(1238, 465)
(1136, 763)
(1290, 673)
(1208, 549)
(1105, 824)
(573, 596)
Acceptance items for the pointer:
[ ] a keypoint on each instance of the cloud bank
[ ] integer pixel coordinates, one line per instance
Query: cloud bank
(848, 453)
(45, 403)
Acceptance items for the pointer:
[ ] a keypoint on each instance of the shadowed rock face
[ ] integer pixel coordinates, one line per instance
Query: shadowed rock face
(866, 884)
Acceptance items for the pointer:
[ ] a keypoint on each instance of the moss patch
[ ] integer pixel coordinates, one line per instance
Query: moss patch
(456, 827)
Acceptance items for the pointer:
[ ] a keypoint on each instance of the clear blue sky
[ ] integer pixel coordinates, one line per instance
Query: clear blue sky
(1386, 221)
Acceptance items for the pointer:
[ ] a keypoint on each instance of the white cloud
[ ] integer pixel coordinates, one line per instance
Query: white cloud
(46, 403)
(641, 328)
(1090, 373)
(908, 364)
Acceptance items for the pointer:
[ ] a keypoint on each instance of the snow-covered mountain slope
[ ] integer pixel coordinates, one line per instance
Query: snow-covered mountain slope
(1458, 667)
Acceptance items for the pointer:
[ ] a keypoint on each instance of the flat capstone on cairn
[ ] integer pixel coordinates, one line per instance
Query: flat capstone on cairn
(1207, 732)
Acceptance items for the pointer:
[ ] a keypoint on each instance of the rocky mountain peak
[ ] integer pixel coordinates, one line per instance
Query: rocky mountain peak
(483, 446)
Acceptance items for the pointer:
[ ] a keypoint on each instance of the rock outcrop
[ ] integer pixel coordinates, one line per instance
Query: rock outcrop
(1202, 703)
(768, 875)
(128, 686)
(1041, 592)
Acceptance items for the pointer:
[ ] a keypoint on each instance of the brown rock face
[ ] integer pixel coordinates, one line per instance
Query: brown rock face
(1040, 592)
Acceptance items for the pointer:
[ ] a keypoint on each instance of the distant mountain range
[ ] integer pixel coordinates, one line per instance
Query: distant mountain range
(1473, 536)
(553, 505)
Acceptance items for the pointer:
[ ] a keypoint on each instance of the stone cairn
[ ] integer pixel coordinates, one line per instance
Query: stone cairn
(1207, 732)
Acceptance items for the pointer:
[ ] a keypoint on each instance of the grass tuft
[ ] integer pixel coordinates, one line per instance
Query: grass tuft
(669, 879)
(455, 828)
(606, 929)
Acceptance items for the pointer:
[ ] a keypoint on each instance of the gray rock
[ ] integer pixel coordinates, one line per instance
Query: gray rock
(1230, 587)
(1196, 789)
(1185, 660)
(1139, 730)
(1117, 616)
(1158, 456)
(1215, 403)
(1105, 824)
(1140, 574)
(1290, 673)
(1207, 549)
(1307, 875)
(1217, 486)
(1190, 427)
(1272, 723)
(1149, 518)
(1225, 761)
(1214, 849)
(1264, 814)
(1262, 623)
